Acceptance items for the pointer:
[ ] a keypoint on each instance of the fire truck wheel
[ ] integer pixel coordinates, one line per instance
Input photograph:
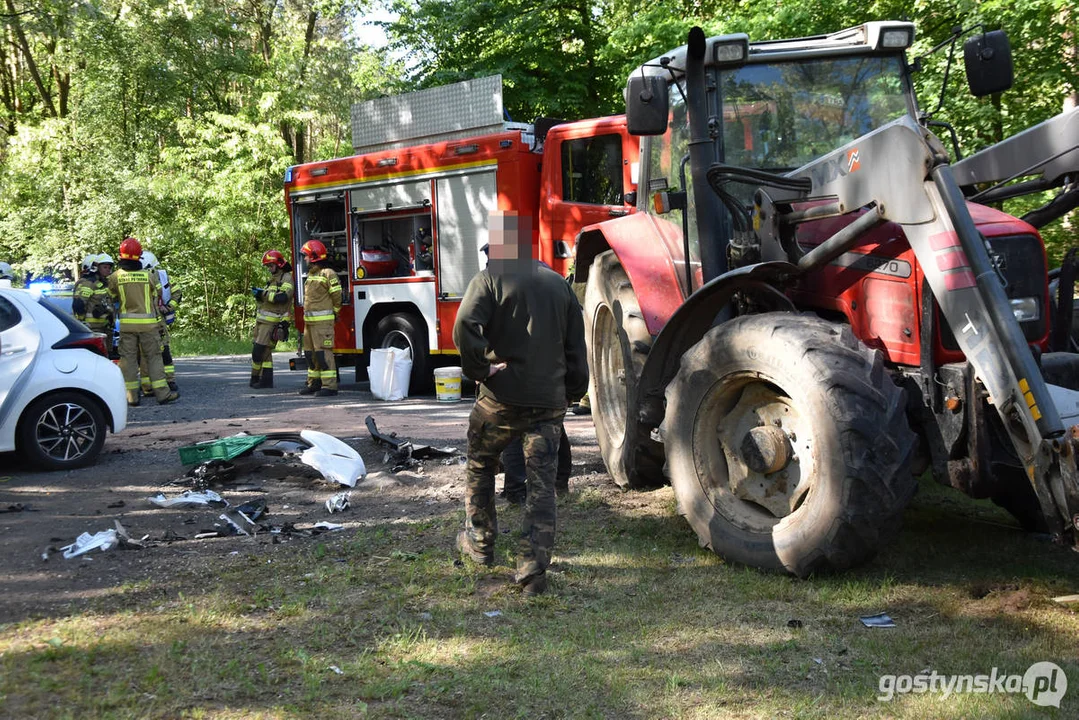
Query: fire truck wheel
(402, 330)
(618, 343)
(788, 445)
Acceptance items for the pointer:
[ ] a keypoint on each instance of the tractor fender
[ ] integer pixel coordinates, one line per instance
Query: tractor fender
(650, 251)
(692, 320)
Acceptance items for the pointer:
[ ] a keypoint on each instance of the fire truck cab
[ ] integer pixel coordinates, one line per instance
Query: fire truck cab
(405, 219)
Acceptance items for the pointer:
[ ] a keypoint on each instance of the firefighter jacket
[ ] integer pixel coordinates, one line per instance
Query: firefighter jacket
(138, 292)
(275, 300)
(321, 295)
(91, 303)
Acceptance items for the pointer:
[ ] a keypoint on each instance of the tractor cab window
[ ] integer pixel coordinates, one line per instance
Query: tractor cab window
(592, 170)
(780, 116)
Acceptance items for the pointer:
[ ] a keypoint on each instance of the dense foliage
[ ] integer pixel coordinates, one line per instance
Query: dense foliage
(175, 121)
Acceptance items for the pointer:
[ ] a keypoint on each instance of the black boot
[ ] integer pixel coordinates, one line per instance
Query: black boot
(255, 380)
(267, 378)
(312, 387)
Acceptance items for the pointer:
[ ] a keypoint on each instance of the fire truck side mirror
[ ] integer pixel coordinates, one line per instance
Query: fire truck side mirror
(647, 101)
(988, 59)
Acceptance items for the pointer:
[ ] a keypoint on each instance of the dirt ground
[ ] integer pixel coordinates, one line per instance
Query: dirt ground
(35, 578)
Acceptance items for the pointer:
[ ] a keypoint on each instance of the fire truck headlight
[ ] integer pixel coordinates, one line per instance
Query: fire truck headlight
(1025, 309)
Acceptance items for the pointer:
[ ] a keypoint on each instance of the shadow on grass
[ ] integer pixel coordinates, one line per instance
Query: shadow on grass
(640, 623)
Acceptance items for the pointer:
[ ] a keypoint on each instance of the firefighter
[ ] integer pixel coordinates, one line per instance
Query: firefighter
(271, 318)
(105, 265)
(321, 303)
(167, 309)
(138, 293)
(88, 304)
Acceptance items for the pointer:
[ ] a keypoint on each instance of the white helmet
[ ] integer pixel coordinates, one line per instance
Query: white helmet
(6, 273)
(89, 263)
(149, 260)
(105, 259)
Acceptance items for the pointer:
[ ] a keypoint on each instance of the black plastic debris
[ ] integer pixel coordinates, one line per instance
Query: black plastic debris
(253, 509)
(17, 507)
(207, 473)
(415, 452)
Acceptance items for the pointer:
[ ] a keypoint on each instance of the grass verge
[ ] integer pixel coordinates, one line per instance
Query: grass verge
(639, 623)
(192, 344)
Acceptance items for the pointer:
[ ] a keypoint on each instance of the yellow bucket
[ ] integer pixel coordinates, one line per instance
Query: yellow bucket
(448, 384)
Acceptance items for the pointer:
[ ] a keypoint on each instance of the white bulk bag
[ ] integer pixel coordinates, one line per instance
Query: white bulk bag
(389, 373)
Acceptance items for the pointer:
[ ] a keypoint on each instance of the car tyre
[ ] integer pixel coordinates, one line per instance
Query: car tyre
(62, 431)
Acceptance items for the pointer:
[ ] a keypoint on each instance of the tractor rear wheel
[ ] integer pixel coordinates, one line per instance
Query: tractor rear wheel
(618, 343)
(788, 445)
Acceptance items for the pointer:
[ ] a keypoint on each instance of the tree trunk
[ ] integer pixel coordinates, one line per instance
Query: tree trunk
(31, 65)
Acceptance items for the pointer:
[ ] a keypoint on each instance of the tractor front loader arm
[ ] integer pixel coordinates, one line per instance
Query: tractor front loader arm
(899, 170)
(1040, 158)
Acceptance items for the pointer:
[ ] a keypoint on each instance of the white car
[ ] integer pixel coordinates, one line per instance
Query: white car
(59, 393)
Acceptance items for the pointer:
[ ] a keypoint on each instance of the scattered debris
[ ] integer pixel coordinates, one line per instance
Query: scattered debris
(794, 623)
(17, 507)
(339, 502)
(206, 474)
(189, 499)
(337, 670)
(253, 509)
(117, 504)
(336, 461)
(418, 452)
(328, 526)
(221, 448)
(881, 620)
(106, 540)
(493, 613)
(1066, 599)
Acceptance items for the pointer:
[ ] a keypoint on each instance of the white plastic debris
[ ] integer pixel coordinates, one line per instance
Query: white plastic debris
(336, 461)
(86, 542)
(337, 670)
(106, 540)
(189, 499)
(329, 526)
(881, 620)
(339, 502)
(493, 613)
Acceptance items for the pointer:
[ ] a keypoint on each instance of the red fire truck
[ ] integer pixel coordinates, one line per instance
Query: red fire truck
(406, 217)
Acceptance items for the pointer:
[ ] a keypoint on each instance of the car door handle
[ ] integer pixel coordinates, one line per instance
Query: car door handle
(618, 212)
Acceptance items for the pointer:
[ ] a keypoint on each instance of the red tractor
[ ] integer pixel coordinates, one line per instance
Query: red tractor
(807, 313)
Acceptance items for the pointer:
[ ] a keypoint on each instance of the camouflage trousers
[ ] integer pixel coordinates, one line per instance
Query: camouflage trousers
(491, 427)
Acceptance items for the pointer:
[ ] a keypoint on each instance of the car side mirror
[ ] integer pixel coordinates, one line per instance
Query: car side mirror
(647, 101)
(988, 59)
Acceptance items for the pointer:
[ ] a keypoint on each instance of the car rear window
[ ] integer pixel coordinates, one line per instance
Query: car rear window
(69, 322)
(9, 314)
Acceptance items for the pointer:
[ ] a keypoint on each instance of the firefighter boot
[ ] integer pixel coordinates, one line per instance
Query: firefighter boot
(174, 387)
(256, 380)
(327, 392)
(266, 381)
(312, 387)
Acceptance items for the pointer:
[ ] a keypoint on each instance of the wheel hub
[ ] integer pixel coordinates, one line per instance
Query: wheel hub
(766, 449)
(767, 452)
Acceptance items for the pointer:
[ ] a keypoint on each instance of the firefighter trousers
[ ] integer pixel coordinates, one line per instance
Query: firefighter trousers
(262, 348)
(318, 348)
(148, 344)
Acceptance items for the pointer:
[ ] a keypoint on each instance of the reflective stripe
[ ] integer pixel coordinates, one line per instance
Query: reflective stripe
(271, 316)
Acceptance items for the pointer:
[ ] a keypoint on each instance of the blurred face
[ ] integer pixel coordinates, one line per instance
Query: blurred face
(104, 269)
(510, 247)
